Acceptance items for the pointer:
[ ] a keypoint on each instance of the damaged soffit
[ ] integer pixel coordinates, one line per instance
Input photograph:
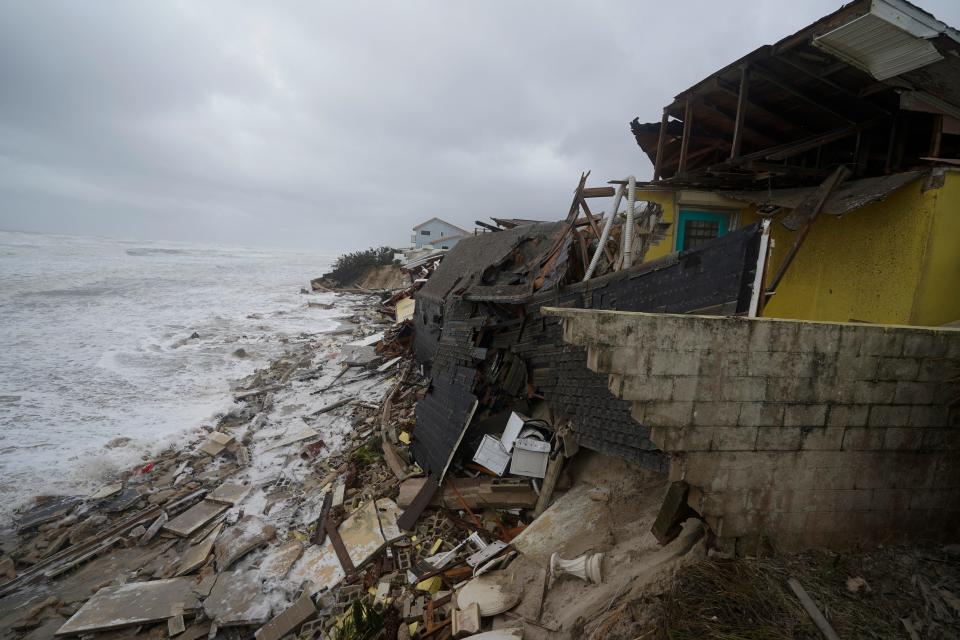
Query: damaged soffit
(892, 38)
(846, 198)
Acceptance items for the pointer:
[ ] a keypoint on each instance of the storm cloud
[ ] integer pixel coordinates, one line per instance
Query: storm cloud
(331, 126)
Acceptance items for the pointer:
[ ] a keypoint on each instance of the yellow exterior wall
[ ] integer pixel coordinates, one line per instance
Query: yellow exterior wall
(896, 261)
(938, 296)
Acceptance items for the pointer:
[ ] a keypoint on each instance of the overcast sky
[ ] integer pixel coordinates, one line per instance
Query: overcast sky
(338, 125)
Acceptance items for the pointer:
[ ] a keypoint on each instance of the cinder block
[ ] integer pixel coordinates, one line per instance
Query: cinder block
(743, 389)
(668, 414)
(821, 438)
(734, 438)
(770, 364)
(761, 414)
(854, 499)
(778, 438)
(897, 439)
(783, 336)
(848, 415)
(921, 344)
(890, 499)
(722, 364)
(856, 367)
(716, 414)
(822, 338)
(861, 438)
(791, 390)
(866, 392)
(888, 416)
(615, 384)
(688, 439)
(948, 471)
(914, 392)
(881, 341)
(941, 439)
(685, 388)
(674, 363)
(639, 388)
(938, 369)
(898, 368)
(628, 360)
(934, 499)
(805, 415)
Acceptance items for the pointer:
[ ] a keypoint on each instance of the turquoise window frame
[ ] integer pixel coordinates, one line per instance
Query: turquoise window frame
(692, 214)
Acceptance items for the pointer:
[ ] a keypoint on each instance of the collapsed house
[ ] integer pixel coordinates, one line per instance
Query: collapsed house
(811, 182)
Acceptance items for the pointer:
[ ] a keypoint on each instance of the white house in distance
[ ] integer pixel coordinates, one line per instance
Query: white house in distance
(437, 233)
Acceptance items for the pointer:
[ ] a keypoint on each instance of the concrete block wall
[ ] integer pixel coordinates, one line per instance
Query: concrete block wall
(811, 433)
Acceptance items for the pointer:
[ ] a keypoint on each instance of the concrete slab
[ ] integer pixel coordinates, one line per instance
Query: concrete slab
(293, 438)
(121, 501)
(290, 619)
(364, 534)
(229, 493)
(194, 518)
(278, 562)
(246, 535)
(132, 604)
(106, 491)
(197, 554)
(215, 443)
(236, 599)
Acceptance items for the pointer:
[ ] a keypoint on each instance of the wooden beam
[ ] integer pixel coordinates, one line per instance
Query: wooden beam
(797, 93)
(806, 212)
(936, 136)
(687, 134)
(661, 142)
(758, 108)
(741, 112)
(751, 131)
(805, 69)
(791, 149)
(593, 225)
(599, 192)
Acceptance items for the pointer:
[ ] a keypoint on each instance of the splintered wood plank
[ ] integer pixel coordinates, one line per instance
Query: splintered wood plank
(194, 518)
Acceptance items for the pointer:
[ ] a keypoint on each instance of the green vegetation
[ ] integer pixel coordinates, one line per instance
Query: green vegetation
(350, 267)
(369, 453)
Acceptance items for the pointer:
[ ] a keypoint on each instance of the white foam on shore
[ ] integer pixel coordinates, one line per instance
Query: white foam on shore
(95, 345)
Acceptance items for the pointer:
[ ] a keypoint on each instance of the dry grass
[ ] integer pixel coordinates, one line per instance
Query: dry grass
(749, 598)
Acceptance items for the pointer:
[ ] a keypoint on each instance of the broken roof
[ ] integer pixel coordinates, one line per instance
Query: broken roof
(861, 86)
(844, 199)
(468, 262)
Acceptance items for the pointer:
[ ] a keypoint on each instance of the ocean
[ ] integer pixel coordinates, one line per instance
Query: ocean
(103, 339)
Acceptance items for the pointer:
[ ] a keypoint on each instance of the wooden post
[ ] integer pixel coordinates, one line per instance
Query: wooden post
(741, 112)
(810, 208)
(687, 133)
(661, 143)
(936, 136)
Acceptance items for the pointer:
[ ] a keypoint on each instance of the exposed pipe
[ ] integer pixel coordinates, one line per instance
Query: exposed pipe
(628, 228)
(605, 234)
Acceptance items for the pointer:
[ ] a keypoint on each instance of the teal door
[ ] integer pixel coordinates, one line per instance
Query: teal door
(697, 227)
